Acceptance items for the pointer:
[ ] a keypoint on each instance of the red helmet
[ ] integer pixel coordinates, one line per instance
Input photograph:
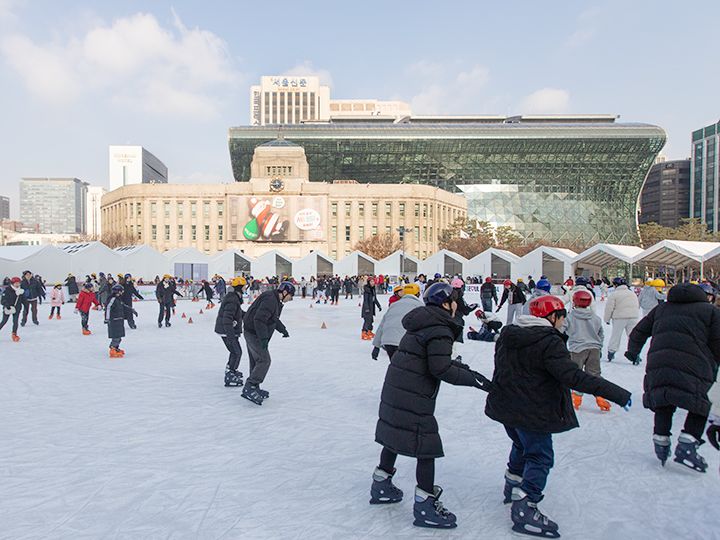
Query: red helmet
(507, 283)
(15, 280)
(488, 280)
(543, 306)
(582, 299)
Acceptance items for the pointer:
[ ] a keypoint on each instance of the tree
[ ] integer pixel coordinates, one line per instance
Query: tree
(689, 229)
(470, 237)
(379, 246)
(118, 239)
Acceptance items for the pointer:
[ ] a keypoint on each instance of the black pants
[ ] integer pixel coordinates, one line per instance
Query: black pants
(84, 319)
(52, 310)
(232, 343)
(367, 323)
(15, 317)
(115, 342)
(259, 359)
(27, 306)
(348, 294)
(165, 311)
(390, 350)
(424, 471)
(694, 423)
(303, 291)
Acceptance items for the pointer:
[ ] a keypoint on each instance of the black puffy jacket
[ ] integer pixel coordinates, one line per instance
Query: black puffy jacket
(230, 315)
(682, 363)
(533, 377)
(263, 316)
(115, 313)
(407, 422)
(165, 293)
(370, 302)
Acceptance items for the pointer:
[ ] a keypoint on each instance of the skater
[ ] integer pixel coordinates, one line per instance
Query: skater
(165, 293)
(542, 288)
(115, 314)
(31, 296)
(72, 286)
(406, 424)
(530, 396)
(488, 295)
(398, 292)
(390, 330)
(57, 299)
(651, 295)
(228, 325)
(515, 299)
(261, 321)
(348, 285)
(682, 366)
(86, 300)
(334, 287)
(129, 292)
(103, 290)
(220, 287)
(622, 308)
(11, 305)
(207, 289)
(370, 302)
(489, 329)
(581, 284)
(303, 287)
(584, 329)
(531, 284)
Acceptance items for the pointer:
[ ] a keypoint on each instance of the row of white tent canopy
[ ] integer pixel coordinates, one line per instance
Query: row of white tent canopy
(55, 262)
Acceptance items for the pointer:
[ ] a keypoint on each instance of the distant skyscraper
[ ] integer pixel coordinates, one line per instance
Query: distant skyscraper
(704, 176)
(94, 199)
(55, 205)
(665, 196)
(135, 165)
(4, 208)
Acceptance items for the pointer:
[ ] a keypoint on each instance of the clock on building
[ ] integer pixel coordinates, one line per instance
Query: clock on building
(276, 184)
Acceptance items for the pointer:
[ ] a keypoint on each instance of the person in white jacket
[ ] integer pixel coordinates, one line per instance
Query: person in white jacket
(622, 308)
(390, 331)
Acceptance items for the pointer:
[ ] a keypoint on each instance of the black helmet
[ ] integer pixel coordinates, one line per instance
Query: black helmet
(437, 294)
(288, 287)
(117, 288)
(617, 281)
(582, 281)
(88, 285)
(709, 289)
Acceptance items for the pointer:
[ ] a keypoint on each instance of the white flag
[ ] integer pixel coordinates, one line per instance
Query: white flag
(464, 235)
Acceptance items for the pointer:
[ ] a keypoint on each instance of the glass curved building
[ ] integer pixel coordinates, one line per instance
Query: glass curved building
(569, 179)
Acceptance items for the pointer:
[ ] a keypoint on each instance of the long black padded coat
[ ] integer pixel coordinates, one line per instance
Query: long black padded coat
(230, 315)
(682, 363)
(407, 424)
(533, 377)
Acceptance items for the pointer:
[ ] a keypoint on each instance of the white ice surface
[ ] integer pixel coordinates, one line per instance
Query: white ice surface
(154, 446)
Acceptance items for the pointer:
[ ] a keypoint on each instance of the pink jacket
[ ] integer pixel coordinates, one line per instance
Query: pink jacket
(57, 297)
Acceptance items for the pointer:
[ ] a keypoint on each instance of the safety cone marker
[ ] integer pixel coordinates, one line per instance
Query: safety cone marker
(190, 320)
(183, 316)
(324, 326)
(201, 311)
(311, 306)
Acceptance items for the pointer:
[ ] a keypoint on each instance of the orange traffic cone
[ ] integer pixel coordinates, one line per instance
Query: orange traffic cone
(201, 311)
(359, 304)
(183, 316)
(323, 326)
(190, 320)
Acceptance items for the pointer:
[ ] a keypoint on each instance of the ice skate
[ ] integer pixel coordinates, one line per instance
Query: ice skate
(365, 335)
(168, 325)
(251, 392)
(429, 511)
(264, 393)
(50, 317)
(370, 334)
(527, 519)
(577, 400)
(86, 332)
(58, 317)
(15, 338)
(36, 323)
(602, 403)
(662, 447)
(611, 356)
(159, 325)
(511, 481)
(383, 491)
(115, 353)
(233, 378)
(686, 453)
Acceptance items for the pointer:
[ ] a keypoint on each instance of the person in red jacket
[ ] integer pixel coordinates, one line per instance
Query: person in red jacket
(86, 299)
(398, 293)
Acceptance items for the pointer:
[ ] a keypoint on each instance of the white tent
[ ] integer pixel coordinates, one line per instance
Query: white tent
(680, 254)
(143, 261)
(444, 262)
(600, 256)
(357, 264)
(231, 263)
(51, 263)
(91, 258)
(272, 263)
(495, 263)
(398, 263)
(188, 263)
(555, 263)
(314, 264)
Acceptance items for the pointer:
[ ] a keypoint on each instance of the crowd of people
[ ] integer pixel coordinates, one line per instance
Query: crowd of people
(547, 357)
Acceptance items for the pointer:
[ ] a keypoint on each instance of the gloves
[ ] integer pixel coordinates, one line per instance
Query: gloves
(286, 334)
(713, 435)
(634, 358)
(628, 405)
(375, 353)
(481, 382)
(134, 312)
(379, 308)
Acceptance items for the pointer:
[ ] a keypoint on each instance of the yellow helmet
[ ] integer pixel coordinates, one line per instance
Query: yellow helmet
(238, 282)
(650, 282)
(412, 288)
(167, 276)
(398, 288)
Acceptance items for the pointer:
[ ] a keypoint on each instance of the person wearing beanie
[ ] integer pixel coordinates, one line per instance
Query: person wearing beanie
(12, 305)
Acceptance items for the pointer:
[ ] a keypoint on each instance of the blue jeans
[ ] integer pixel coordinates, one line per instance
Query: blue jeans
(532, 458)
(487, 304)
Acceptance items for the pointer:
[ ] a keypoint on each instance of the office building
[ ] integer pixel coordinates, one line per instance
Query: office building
(134, 165)
(54, 205)
(704, 177)
(93, 227)
(665, 197)
(4, 208)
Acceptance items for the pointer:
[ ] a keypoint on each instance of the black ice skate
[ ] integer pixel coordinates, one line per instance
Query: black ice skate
(383, 491)
(233, 378)
(662, 447)
(527, 519)
(611, 356)
(251, 393)
(511, 481)
(264, 393)
(167, 325)
(686, 453)
(159, 325)
(429, 511)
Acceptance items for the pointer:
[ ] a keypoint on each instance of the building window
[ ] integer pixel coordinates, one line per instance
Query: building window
(220, 232)
(424, 210)
(193, 209)
(206, 209)
(417, 234)
(138, 210)
(374, 209)
(347, 233)
(139, 232)
(180, 207)
(166, 209)
(402, 209)
(333, 233)
(207, 232)
(167, 233)
(333, 209)
(333, 254)
(417, 210)
(153, 232)
(361, 232)
(374, 230)
(347, 209)
(180, 232)
(388, 209)
(193, 232)
(220, 208)
(361, 210)
(387, 229)
(153, 209)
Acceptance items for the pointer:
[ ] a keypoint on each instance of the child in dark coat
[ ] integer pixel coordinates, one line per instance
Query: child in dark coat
(115, 315)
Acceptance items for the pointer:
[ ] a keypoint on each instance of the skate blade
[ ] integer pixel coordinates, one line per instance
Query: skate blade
(256, 402)
(237, 385)
(433, 525)
(690, 465)
(383, 501)
(521, 530)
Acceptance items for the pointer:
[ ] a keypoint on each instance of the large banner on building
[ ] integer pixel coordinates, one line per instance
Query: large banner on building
(278, 218)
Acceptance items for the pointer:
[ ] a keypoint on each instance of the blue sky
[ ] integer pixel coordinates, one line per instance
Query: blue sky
(173, 76)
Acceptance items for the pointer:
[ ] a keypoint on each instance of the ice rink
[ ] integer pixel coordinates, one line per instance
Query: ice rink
(154, 446)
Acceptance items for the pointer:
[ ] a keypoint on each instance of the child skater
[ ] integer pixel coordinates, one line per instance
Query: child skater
(115, 314)
(86, 300)
(12, 305)
(57, 299)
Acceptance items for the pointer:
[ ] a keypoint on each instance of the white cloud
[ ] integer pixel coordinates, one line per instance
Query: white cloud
(7, 9)
(446, 90)
(134, 60)
(586, 28)
(307, 68)
(546, 101)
